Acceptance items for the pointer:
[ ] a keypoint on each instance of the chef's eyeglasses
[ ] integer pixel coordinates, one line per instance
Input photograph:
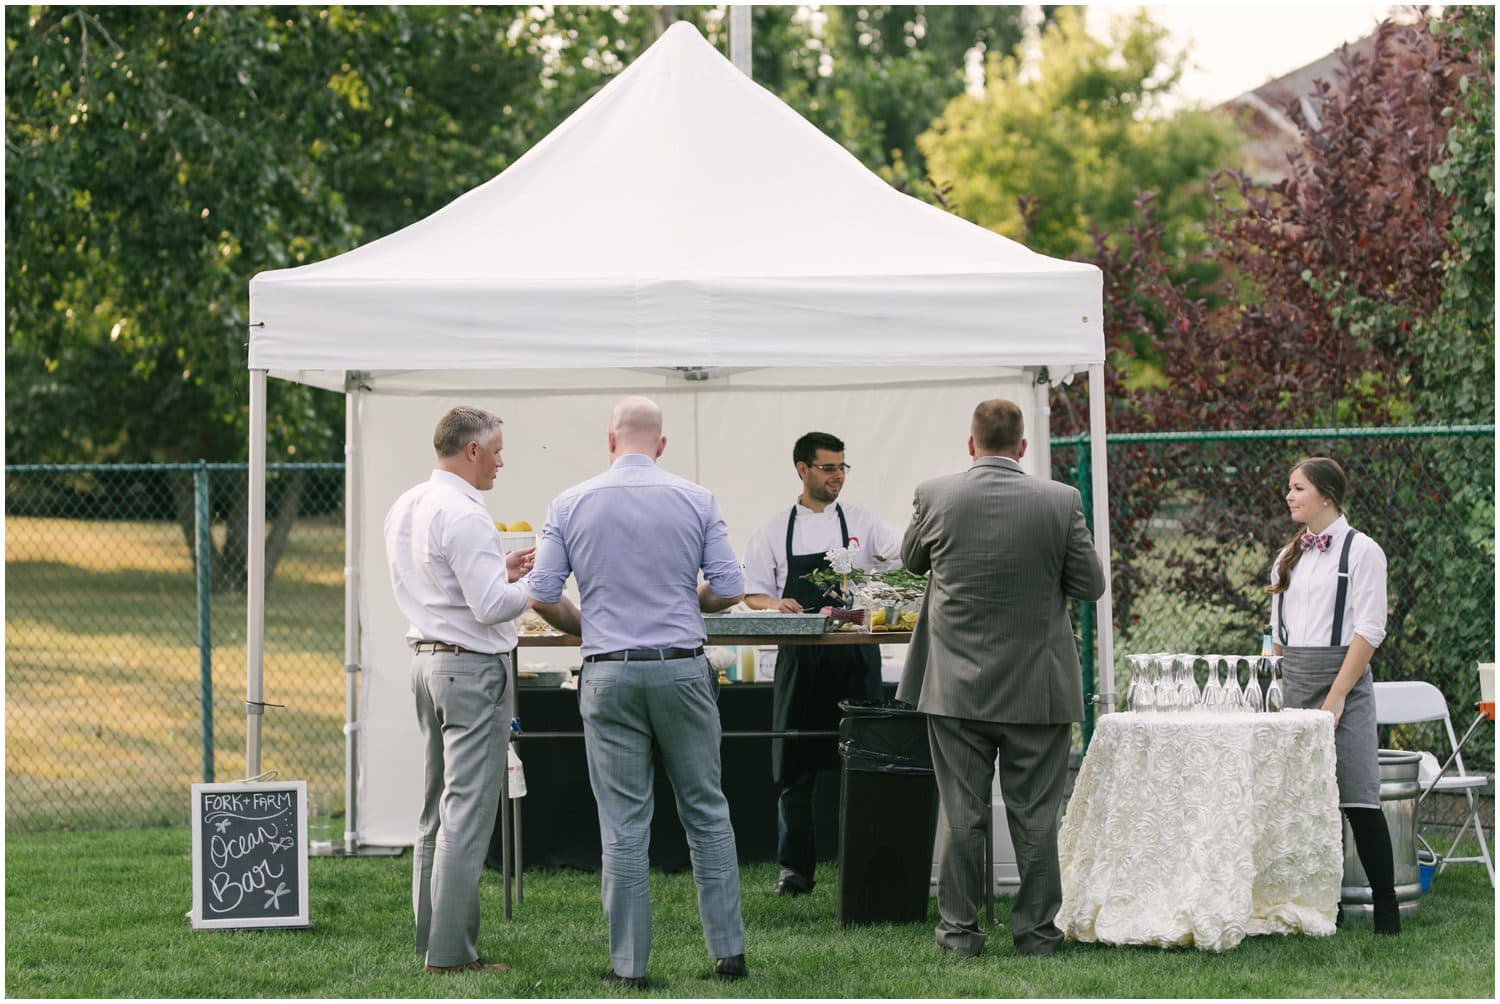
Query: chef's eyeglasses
(829, 468)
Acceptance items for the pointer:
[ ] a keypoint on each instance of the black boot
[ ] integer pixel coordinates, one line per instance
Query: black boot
(1373, 842)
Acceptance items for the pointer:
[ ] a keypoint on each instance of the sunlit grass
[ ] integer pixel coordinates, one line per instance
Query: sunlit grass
(102, 674)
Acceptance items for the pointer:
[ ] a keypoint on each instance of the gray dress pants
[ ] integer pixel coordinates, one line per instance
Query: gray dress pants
(1033, 772)
(460, 709)
(626, 706)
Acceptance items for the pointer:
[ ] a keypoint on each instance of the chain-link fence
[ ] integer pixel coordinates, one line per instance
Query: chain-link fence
(125, 637)
(125, 653)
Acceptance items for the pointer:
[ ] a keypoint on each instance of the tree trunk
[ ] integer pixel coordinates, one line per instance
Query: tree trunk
(183, 505)
(286, 516)
(229, 562)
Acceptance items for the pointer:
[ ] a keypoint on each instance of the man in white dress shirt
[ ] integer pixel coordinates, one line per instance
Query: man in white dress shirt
(812, 679)
(459, 589)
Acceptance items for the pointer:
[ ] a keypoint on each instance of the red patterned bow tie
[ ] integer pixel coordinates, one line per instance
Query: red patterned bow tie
(1322, 540)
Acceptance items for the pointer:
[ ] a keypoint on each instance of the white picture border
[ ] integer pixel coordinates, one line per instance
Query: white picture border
(196, 917)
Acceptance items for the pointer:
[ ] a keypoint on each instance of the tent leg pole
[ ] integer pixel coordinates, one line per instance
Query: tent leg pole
(1105, 674)
(353, 504)
(255, 576)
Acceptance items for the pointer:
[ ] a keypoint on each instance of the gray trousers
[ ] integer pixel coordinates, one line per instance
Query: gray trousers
(625, 707)
(460, 709)
(1033, 772)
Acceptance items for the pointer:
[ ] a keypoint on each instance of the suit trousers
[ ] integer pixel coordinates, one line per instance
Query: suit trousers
(626, 707)
(460, 710)
(1033, 762)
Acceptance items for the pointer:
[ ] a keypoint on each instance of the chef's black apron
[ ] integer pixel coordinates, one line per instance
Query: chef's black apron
(812, 679)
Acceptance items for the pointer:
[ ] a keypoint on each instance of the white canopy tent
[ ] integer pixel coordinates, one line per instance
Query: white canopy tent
(686, 235)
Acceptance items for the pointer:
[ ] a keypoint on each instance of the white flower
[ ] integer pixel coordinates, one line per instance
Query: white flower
(841, 559)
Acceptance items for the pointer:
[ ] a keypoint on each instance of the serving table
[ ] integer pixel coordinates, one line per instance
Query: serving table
(1202, 828)
(560, 825)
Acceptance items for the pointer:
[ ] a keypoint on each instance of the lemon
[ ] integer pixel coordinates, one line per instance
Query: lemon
(877, 618)
(908, 619)
(500, 525)
(519, 526)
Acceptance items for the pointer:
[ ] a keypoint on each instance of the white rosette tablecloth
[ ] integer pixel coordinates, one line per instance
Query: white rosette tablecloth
(1202, 828)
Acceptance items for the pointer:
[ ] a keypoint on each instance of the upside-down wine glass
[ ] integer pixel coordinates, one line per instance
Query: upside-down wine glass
(1187, 687)
(1145, 695)
(1233, 698)
(1213, 694)
(1140, 684)
(1253, 700)
(1275, 697)
(1166, 685)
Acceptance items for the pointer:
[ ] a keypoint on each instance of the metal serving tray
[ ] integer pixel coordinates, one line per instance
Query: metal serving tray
(765, 623)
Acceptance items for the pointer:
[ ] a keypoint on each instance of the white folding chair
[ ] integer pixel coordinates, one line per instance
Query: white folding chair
(1409, 702)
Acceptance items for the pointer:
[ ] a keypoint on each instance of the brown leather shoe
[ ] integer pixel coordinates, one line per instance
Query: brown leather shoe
(477, 964)
(730, 969)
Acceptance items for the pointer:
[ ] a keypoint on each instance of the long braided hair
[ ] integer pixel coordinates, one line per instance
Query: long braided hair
(1330, 481)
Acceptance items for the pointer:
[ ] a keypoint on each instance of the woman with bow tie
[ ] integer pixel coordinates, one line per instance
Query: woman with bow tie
(1328, 615)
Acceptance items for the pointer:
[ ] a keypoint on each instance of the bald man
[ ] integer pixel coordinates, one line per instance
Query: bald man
(636, 538)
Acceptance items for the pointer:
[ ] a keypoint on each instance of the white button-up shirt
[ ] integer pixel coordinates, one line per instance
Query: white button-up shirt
(1314, 588)
(448, 567)
(816, 532)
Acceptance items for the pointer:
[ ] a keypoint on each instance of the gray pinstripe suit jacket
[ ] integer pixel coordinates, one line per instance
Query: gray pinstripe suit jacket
(1006, 552)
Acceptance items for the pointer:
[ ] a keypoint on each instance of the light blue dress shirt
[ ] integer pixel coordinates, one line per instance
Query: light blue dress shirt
(636, 538)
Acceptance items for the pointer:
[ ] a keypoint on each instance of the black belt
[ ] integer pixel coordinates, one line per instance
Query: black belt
(645, 655)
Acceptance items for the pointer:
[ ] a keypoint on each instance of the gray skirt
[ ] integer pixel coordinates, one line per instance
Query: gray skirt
(1307, 673)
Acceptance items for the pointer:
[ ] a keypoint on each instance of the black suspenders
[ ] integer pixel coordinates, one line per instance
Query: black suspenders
(1338, 602)
(1343, 594)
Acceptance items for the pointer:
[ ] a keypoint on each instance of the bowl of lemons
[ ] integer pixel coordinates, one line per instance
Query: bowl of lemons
(515, 536)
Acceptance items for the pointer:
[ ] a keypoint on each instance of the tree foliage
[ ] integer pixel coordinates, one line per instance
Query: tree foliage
(158, 157)
(1357, 291)
(1079, 135)
(1453, 347)
(1333, 277)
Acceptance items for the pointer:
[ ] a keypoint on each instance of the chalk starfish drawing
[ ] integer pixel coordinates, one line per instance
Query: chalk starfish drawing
(222, 825)
(273, 896)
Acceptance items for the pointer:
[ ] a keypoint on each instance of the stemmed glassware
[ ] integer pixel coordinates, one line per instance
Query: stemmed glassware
(1252, 697)
(1275, 698)
(1233, 698)
(1187, 687)
(1166, 684)
(1213, 693)
(1137, 682)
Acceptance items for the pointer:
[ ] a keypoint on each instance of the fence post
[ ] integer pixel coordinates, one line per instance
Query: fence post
(202, 520)
(1083, 481)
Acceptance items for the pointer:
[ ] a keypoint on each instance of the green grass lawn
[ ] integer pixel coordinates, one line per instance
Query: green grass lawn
(101, 914)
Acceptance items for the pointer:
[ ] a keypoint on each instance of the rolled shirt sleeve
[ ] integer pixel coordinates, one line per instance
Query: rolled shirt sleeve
(760, 564)
(720, 567)
(1367, 598)
(885, 546)
(550, 573)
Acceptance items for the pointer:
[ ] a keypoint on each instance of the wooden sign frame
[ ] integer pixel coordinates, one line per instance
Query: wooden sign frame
(256, 879)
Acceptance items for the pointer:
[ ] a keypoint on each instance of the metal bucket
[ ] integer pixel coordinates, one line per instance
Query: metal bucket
(1399, 787)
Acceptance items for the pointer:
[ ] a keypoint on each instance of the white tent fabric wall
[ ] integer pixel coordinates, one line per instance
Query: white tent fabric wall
(682, 219)
(736, 442)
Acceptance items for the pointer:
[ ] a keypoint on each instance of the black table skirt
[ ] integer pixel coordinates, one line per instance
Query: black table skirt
(559, 819)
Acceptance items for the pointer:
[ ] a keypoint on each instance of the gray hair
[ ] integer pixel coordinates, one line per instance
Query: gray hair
(459, 427)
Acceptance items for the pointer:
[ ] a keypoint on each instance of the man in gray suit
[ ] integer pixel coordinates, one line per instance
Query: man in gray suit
(994, 664)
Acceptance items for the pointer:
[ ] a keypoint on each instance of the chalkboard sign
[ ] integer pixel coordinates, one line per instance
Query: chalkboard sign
(250, 855)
